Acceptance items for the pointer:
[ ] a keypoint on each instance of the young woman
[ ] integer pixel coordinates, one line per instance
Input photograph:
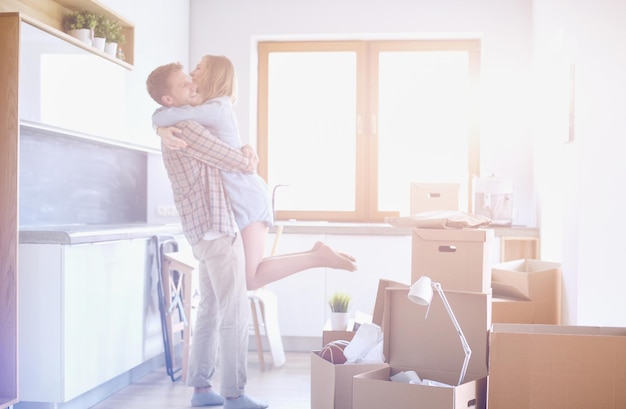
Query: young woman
(248, 193)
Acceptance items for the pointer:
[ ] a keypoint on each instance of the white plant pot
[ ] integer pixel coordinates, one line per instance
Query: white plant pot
(83, 34)
(98, 43)
(110, 48)
(339, 321)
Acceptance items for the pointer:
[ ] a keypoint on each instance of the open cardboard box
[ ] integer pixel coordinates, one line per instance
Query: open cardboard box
(509, 310)
(431, 347)
(330, 335)
(527, 284)
(536, 366)
(331, 385)
(457, 258)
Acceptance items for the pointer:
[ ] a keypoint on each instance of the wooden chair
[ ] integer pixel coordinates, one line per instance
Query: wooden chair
(177, 276)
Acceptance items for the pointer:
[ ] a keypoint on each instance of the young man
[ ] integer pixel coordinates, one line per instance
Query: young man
(209, 226)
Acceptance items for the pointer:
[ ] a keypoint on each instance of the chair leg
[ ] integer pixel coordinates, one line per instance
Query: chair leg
(257, 333)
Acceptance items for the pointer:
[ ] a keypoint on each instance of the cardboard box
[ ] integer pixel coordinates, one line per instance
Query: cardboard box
(329, 335)
(431, 347)
(511, 311)
(331, 385)
(460, 259)
(533, 280)
(378, 317)
(536, 366)
(426, 197)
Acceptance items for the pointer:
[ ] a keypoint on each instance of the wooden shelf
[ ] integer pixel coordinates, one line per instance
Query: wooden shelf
(48, 16)
(9, 74)
(515, 248)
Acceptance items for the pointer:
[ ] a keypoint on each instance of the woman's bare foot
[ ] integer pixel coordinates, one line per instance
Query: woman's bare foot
(330, 258)
(348, 256)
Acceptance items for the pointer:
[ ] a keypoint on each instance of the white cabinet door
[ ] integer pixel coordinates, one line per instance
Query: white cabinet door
(300, 297)
(378, 257)
(303, 298)
(103, 312)
(40, 323)
(88, 313)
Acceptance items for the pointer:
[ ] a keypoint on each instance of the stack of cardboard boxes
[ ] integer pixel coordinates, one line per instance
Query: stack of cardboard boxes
(536, 363)
(510, 314)
(331, 385)
(426, 344)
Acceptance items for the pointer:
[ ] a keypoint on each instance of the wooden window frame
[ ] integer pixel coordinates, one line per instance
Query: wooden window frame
(366, 183)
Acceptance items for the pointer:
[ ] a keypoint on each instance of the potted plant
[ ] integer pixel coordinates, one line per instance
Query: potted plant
(81, 24)
(339, 303)
(99, 33)
(114, 37)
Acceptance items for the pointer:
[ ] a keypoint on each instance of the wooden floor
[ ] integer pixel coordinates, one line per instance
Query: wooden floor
(287, 387)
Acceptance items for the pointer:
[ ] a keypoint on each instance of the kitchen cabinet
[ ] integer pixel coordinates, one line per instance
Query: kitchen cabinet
(88, 313)
(46, 15)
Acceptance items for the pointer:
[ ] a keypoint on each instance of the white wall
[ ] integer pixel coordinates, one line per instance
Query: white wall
(581, 183)
(161, 37)
(232, 27)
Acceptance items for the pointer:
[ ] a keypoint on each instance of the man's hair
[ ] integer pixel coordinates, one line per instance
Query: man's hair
(158, 82)
(218, 78)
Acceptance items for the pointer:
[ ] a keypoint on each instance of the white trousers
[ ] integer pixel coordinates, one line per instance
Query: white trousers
(221, 329)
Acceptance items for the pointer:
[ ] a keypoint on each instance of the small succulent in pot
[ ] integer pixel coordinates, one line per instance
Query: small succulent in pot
(339, 302)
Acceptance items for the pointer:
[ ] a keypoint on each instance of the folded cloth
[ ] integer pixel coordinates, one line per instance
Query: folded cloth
(441, 219)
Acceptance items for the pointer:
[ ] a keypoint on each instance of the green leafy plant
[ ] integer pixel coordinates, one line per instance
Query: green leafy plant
(80, 19)
(339, 302)
(74, 21)
(113, 32)
(102, 27)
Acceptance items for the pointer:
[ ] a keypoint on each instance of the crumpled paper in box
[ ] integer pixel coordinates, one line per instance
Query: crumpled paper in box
(366, 345)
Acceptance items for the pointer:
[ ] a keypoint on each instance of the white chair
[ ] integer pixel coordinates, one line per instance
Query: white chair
(264, 308)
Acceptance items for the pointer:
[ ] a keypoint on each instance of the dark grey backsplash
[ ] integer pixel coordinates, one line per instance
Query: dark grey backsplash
(66, 180)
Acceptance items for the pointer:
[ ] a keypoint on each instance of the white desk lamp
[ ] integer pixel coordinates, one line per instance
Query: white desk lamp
(421, 293)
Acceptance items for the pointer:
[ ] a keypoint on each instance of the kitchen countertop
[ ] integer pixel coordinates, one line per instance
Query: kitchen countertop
(378, 229)
(89, 233)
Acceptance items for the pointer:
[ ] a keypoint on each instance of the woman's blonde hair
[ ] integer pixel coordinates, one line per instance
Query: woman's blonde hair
(217, 79)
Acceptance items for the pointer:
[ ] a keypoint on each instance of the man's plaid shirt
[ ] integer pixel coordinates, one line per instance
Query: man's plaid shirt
(194, 172)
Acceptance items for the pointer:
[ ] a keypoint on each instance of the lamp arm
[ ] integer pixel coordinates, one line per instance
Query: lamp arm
(464, 343)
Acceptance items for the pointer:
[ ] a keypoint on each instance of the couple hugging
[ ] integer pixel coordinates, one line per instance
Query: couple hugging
(225, 211)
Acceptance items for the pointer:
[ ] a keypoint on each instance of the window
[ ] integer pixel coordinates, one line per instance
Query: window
(347, 126)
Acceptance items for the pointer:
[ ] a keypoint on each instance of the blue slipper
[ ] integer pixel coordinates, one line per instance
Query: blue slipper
(244, 402)
(207, 399)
